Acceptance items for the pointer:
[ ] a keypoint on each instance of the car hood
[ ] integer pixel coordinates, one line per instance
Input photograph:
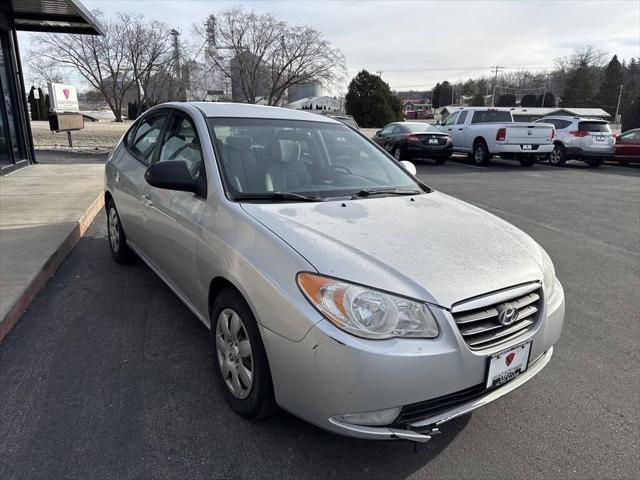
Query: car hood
(432, 247)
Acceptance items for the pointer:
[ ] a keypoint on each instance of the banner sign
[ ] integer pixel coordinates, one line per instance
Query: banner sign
(63, 98)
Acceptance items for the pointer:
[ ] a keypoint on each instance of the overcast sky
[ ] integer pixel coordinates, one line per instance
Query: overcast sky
(418, 43)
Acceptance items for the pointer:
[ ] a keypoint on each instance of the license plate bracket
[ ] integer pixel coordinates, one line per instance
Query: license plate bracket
(507, 364)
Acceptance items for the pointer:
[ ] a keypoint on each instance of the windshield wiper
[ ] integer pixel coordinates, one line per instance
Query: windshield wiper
(385, 191)
(277, 197)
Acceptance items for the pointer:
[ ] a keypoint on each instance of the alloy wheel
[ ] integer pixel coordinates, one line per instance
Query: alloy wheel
(478, 154)
(556, 156)
(114, 231)
(233, 350)
(397, 154)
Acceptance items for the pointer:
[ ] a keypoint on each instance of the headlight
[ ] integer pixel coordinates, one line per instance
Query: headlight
(366, 312)
(548, 275)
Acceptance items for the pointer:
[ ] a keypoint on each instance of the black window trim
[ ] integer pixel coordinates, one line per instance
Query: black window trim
(161, 111)
(171, 114)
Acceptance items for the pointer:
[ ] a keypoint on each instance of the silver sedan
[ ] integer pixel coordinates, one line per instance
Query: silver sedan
(335, 284)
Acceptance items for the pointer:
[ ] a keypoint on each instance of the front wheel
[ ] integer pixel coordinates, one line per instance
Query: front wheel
(528, 162)
(239, 357)
(120, 250)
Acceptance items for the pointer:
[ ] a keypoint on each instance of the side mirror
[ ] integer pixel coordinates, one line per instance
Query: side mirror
(438, 122)
(409, 167)
(171, 175)
(378, 133)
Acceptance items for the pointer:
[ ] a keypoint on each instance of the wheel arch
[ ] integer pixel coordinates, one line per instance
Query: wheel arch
(479, 139)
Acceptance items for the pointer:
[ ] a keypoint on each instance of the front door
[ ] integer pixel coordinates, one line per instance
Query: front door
(172, 218)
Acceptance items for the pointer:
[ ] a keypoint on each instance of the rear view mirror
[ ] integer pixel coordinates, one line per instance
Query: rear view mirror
(409, 167)
(171, 175)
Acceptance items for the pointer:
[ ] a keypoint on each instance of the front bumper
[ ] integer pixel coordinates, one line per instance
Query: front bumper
(331, 373)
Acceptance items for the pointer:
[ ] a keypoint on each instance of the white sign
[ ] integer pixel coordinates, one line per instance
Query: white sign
(63, 98)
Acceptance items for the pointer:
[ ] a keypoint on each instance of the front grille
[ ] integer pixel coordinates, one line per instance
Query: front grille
(429, 408)
(481, 329)
(418, 411)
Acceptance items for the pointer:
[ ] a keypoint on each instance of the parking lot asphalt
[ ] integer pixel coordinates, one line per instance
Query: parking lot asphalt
(108, 375)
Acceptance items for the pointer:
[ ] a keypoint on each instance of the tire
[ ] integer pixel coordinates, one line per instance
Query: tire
(250, 396)
(528, 162)
(594, 162)
(557, 157)
(480, 153)
(118, 245)
(397, 153)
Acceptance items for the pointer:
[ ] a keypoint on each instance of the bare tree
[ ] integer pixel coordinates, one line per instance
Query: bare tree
(269, 56)
(101, 60)
(43, 70)
(148, 52)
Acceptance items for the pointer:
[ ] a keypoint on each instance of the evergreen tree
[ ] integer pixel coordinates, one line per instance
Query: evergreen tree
(370, 101)
(477, 100)
(529, 101)
(506, 100)
(435, 96)
(579, 87)
(33, 104)
(547, 100)
(43, 105)
(610, 86)
(631, 116)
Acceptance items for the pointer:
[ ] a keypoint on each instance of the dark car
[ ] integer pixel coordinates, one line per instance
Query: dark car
(415, 140)
(348, 120)
(628, 147)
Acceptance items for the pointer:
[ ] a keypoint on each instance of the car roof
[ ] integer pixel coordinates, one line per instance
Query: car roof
(246, 110)
(573, 119)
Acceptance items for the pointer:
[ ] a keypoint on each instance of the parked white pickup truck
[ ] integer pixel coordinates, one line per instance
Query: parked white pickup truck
(484, 132)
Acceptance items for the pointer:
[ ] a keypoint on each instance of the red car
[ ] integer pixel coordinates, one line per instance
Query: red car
(628, 147)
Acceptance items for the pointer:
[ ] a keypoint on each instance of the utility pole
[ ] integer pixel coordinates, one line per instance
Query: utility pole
(379, 73)
(544, 90)
(453, 89)
(618, 106)
(495, 81)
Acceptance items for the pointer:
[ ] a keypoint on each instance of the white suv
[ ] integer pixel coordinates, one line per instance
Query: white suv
(586, 139)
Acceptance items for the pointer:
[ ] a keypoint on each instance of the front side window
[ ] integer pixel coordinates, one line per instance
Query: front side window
(146, 136)
(181, 143)
(451, 119)
(323, 160)
(462, 118)
(632, 136)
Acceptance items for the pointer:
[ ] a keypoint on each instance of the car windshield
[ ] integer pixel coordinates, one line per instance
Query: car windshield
(420, 128)
(262, 159)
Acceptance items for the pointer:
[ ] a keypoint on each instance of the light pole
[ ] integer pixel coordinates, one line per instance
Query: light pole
(618, 106)
(495, 81)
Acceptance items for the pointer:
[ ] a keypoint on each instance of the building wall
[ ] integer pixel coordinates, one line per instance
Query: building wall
(304, 90)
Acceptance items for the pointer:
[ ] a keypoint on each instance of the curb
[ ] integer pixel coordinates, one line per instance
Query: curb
(50, 267)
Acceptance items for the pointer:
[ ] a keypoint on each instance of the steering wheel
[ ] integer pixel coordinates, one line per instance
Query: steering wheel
(343, 168)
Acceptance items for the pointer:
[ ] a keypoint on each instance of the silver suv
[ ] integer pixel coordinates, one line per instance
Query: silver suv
(586, 139)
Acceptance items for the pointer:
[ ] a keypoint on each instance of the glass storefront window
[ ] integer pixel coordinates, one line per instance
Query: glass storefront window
(9, 140)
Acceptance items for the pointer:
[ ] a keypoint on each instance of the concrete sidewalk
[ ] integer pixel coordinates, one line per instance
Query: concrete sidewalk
(44, 210)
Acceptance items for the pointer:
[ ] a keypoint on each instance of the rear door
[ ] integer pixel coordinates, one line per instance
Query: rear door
(628, 146)
(129, 166)
(172, 218)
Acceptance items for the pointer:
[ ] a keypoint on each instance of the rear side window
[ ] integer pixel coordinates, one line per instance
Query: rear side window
(462, 117)
(594, 127)
(491, 116)
(146, 136)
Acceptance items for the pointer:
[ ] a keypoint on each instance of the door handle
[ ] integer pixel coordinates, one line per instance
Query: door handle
(450, 129)
(461, 129)
(146, 199)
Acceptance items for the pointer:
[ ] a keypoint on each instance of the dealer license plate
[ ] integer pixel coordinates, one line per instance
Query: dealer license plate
(527, 147)
(433, 141)
(508, 364)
